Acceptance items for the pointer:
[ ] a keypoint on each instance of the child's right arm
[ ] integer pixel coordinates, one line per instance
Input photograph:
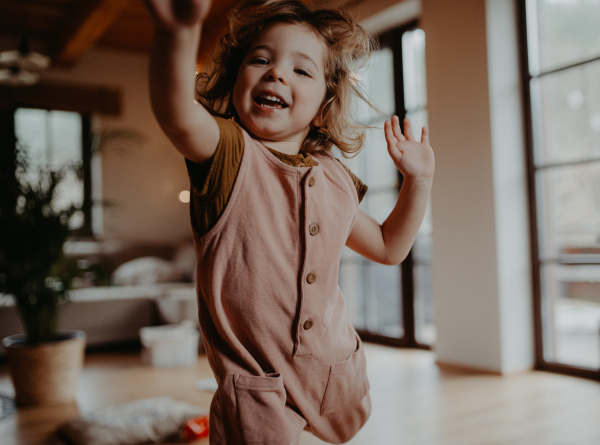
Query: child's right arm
(189, 126)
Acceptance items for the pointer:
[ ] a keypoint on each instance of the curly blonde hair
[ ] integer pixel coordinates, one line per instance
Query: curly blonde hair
(348, 44)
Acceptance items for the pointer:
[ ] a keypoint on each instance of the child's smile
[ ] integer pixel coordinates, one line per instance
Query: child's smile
(270, 101)
(281, 85)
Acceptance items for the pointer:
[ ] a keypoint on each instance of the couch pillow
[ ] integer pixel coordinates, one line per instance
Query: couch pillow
(146, 270)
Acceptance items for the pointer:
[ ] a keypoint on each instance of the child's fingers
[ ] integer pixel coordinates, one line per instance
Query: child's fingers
(425, 135)
(392, 142)
(396, 128)
(389, 133)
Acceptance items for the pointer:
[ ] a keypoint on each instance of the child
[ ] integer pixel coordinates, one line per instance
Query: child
(271, 210)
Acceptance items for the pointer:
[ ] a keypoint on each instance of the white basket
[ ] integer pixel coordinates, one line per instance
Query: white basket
(170, 345)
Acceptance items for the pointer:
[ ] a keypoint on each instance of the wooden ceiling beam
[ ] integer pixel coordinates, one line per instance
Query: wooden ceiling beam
(83, 26)
(63, 96)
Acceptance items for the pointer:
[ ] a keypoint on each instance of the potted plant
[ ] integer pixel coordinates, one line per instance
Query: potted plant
(44, 363)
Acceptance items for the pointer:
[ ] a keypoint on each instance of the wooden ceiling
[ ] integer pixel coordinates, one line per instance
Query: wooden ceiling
(66, 29)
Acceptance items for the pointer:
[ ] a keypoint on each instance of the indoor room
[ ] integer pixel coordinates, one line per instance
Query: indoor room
(487, 333)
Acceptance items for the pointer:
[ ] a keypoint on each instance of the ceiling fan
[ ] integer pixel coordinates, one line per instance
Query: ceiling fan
(21, 67)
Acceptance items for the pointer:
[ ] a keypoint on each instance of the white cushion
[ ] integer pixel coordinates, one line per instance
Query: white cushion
(146, 270)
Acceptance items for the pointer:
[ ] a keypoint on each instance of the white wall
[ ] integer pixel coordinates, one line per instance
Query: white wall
(142, 176)
(465, 284)
(480, 257)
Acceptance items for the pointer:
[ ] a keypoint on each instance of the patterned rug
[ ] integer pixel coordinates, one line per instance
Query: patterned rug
(7, 406)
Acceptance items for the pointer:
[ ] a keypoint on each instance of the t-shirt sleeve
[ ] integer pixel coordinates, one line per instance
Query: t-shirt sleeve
(217, 174)
(361, 188)
(212, 181)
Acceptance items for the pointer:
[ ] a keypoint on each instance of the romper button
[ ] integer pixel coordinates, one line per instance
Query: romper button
(313, 229)
(311, 278)
(311, 181)
(302, 164)
(308, 324)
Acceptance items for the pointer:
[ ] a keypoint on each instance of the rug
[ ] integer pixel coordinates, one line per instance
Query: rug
(142, 421)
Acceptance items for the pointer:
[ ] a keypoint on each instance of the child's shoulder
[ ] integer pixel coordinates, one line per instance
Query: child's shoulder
(335, 164)
(229, 129)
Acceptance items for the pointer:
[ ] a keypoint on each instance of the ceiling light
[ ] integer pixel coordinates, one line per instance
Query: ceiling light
(21, 67)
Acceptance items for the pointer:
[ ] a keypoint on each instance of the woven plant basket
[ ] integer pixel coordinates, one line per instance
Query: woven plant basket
(45, 373)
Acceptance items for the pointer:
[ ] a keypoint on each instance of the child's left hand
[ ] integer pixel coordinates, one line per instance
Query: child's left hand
(414, 159)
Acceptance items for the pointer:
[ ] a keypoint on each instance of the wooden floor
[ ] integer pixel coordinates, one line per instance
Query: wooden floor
(415, 402)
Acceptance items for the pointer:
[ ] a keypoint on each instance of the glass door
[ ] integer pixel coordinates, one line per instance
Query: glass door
(390, 304)
(563, 95)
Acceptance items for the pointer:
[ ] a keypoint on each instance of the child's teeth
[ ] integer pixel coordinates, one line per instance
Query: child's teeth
(271, 101)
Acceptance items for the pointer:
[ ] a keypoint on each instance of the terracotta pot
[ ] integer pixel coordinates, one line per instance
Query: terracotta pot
(45, 373)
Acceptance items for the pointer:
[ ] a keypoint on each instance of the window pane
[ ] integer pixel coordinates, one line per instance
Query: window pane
(372, 294)
(378, 79)
(569, 31)
(380, 168)
(570, 114)
(569, 209)
(572, 315)
(418, 120)
(413, 58)
(373, 165)
(52, 140)
(425, 332)
(379, 204)
(385, 300)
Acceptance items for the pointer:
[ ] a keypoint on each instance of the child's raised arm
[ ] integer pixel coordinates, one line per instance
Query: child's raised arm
(390, 242)
(178, 26)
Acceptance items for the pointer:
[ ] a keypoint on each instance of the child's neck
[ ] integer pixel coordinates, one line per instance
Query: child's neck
(287, 147)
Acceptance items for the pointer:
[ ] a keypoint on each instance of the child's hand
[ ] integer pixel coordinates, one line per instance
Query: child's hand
(414, 159)
(171, 14)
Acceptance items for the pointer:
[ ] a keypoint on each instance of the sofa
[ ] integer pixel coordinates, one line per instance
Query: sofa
(140, 285)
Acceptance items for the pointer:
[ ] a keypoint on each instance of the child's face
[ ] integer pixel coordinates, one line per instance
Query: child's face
(281, 83)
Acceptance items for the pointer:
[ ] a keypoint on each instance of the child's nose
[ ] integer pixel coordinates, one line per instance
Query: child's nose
(275, 74)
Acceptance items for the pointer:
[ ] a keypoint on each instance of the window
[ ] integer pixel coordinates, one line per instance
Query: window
(391, 304)
(54, 140)
(563, 96)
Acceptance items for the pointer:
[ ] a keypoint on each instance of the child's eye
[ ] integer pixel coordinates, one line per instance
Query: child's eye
(259, 61)
(302, 72)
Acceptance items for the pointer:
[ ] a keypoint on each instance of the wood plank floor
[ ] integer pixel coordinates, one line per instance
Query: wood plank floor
(415, 402)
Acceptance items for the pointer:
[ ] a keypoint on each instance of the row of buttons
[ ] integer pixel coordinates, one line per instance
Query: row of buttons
(313, 229)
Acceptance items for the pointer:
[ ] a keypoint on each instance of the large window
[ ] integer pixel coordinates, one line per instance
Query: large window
(56, 140)
(563, 95)
(391, 304)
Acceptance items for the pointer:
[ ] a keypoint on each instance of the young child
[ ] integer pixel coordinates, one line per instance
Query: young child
(272, 209)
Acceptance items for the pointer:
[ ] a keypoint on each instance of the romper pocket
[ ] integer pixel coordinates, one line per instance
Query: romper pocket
(347, 384)
(261, 408)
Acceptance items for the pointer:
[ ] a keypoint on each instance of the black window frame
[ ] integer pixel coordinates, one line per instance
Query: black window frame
(537, 263)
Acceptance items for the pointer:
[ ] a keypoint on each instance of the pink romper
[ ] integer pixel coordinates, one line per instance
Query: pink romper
(272, 316)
